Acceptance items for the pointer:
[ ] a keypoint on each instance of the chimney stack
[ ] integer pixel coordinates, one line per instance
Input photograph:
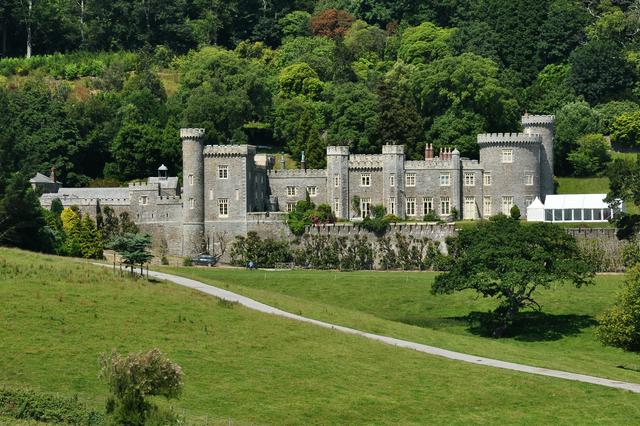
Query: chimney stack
(303, 165)
(281, 160)
(53, 174)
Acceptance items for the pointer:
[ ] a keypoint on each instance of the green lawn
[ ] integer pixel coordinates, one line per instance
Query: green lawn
(595, 185)
(244, 367)
(399, 304)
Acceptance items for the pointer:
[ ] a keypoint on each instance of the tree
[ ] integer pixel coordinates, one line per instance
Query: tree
(425, 43)
(550, 91)
(625, 130)
(133, 248)
(91, 241)
(363, 40)
(354, 118)
(295, 24)
(331, 23)
(508, 260)
(624, 184)
(299, 79)
(600, 71)
(515, 212)
(619, 326)
(610, 111)
(591, 156)
(134, 378)
(573, 121)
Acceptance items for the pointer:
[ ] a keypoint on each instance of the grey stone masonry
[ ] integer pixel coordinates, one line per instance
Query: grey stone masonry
(193, 191)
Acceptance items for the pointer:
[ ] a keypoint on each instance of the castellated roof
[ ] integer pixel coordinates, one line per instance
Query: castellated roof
(538, 119)
(486, 138)
(89, 193)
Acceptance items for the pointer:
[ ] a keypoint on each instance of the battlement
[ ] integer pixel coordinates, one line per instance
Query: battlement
(365, 161)
(275, 173)
(469, 164)
(191, 134)
(430, 164)
(538, 119)
(338, 150)
(229, 150)
(488, 138)
(393, 149)
(143, 186)
(169, 199)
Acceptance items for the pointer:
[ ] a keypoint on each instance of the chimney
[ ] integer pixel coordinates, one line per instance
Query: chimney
(303, 165)
(441, 154)
(53, 174)
(282, 160)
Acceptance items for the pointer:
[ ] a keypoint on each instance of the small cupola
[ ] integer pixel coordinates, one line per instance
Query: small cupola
(163, 172)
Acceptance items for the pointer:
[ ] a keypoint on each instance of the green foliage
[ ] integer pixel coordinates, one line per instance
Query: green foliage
(135, 377)
(625, 129)
(514, 212)
(295, 24)
(573, 121)
(27, 404)
(620, 325)
(425, 43)
(299, 79)
(133, 248)
(264, 253)
(610, 111)
(509, 261)
(187, 261)
(377, 222)
(591, 156)
(306, 214)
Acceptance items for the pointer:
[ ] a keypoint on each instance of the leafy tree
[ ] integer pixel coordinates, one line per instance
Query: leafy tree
(295, 24)
(619, 326)
(318, 52)
(600, 71)
(573, 121)
(458, 128)
(299, 79)
(591, 156)
(562, 30)
(425, 43)
(550, 91)
(624, 184)
(508, 260)
(135, 377)
(136, 151)
(363, 40)
(625, 129)
(514, 212)
(91, 241)
(133, 248)
(610, 111)
(331, 23)
(377, 222)
(354, 118)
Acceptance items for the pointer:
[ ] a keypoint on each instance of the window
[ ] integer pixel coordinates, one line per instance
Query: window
(469, 212)
(410, 179)
(143, 200)
(487, 178)
(507, 155)
(507, 203)
(223, 207)
(291, 191)
(291, 207)
(392, 206)
(445, 179)
(528, 179)
(577, 214)
(528, 201)
(223, 172)
(336, 206)
(486, 207)
(336, 180)
(411, 206)
(192, 203)
(469, 179)
(190, 179)
(237, 195)
(427, 205)
(445, 206)
(365, 179)
(312, 190)
(211, 194)
(365, 207)
(392, 180)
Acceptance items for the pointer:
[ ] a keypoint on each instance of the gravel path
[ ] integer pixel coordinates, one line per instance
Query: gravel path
(431, 350)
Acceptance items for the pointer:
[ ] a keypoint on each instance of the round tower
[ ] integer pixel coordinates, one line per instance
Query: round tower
(193, 191)
(543, 125)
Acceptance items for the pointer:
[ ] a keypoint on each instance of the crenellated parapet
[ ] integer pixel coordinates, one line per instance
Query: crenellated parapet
(470, 164)
(191, 134)
(430, 164)
(509, 138)
(365, 161)
(229, 150)
(533, 120)
(143, 186)
(169, 199)
(393, 149)
(288, 173)
(338, 150)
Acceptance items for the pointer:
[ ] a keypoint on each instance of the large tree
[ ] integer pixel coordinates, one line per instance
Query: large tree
(508, 260)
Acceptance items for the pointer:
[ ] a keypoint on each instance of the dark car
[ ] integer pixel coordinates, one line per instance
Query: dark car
(204, 260)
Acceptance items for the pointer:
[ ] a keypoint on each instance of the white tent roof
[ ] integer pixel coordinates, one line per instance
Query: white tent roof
(576, 201)
(536, 204)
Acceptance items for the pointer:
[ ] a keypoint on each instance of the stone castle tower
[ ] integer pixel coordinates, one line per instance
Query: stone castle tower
(543, 125)
(193, 190)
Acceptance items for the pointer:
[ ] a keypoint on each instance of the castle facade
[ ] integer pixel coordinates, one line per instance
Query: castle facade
(231, 189)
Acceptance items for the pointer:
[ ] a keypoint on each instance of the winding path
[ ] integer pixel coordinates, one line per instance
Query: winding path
(431, 350)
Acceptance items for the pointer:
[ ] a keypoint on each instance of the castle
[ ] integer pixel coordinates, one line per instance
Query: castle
(231, 189)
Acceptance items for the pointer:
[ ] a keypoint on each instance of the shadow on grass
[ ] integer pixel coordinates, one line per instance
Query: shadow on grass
(527, 327)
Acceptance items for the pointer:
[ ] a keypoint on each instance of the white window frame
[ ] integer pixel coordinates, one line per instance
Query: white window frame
(427, 205)
(487, 206)
(223, 171)
(528, 179)
(392, 205)
(292, 191)
(190, 179)
(392, 180)
(507, 155)
(192, 203)
(223, 207)
(507, 203)
(336, 181)
(469, 209)
(291, 206)
(469, 179)
(410, 179)
(312, 190)
(365, 207)
(144, 200)
(445, 179)
(336, 206)
(210, 194)
(410, 206)
(365, 179)
(445, 206)
(487, 179)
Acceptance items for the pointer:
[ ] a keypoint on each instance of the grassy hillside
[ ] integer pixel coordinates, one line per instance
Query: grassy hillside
(245, 367)
(596, 185)
(399, 304)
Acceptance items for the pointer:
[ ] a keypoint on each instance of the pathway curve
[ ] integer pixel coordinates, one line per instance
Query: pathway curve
(431, 350)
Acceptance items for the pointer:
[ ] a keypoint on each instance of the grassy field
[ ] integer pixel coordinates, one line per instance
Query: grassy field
(596, 185)
(399, 304)
(248, 368)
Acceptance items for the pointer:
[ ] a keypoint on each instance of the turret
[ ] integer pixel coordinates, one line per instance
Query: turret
(338, 180)
(543, 125)
(193, 191)
(393, 179)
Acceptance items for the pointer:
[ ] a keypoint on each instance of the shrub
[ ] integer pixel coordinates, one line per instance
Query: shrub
(591, 156)
(620, 325)
(262, 252)
(515, 212)
(431, 217)
(187, 261)
(29, 405)
(377, 222)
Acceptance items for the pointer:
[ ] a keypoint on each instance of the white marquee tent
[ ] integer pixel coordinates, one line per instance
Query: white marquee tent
(570, 208)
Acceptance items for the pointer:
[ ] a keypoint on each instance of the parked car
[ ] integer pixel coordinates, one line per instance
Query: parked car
(204, 260)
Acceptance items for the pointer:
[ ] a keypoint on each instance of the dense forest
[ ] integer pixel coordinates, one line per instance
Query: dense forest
(100, 88)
